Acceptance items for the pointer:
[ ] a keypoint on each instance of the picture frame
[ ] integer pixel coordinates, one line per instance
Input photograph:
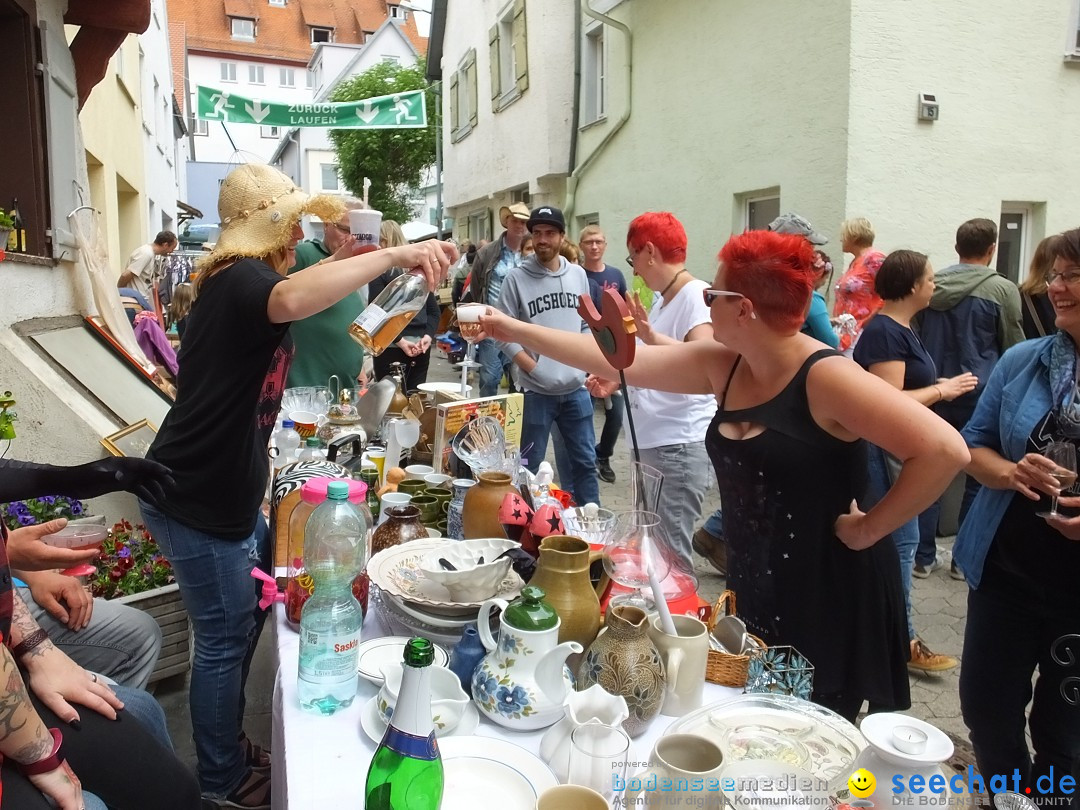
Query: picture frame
(98, 328)
(132, 441)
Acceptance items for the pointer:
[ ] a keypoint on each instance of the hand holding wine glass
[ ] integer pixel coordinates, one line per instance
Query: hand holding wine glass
(468, 318)
(1063, 456)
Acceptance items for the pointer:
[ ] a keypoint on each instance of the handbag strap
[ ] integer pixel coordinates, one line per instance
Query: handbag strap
(1029, 303)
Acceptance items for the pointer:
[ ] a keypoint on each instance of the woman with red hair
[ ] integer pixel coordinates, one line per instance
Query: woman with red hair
(787, 450)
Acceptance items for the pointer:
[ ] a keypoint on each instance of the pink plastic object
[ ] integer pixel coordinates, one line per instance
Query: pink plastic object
(313, 491)
(270, 592)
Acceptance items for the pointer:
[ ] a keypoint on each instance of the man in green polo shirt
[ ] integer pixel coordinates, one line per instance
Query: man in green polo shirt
(323, 345)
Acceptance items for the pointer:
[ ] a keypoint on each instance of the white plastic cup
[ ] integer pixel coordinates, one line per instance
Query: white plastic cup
(365, 224)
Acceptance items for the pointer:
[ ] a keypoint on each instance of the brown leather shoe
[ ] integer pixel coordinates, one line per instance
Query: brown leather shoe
(923, 659)
(712, 548)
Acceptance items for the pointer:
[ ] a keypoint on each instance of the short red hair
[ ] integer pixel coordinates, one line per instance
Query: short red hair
(773, 270)
(663, 230)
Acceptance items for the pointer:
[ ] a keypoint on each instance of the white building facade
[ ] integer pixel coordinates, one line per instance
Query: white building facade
(785, 106)
(164, 147)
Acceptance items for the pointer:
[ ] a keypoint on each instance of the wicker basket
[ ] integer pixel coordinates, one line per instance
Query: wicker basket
(724, 668)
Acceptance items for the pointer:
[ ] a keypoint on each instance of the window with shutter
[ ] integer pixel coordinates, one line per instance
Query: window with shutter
(64, 140)
(454, 112)
(507, 47)
(463, 98)
(495, 66)
(521, 59)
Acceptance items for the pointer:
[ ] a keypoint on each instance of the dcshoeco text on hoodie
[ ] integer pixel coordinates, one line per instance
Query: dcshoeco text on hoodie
(555, 300)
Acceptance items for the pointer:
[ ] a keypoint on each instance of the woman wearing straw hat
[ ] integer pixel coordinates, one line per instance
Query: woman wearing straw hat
(233, 366)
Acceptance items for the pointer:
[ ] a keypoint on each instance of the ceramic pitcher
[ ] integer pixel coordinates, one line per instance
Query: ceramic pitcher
(685, 656)
(592, 705)
(523, 680)
(481, 507)
(563, 573)
(625, 662)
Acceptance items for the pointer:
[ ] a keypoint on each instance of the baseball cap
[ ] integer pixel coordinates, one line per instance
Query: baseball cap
(546, 215)
(517, 211)
(793, 223)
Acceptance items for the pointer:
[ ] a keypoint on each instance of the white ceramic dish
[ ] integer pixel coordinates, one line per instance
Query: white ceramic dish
(375, 652)
(474, 767)
(470, 581)
(372, 723)
(397, 621)
(397, 571)
(434, 620)
(878, 730)
(434, 387)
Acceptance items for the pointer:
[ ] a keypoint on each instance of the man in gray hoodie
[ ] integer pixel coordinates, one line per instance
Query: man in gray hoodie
(545, 289)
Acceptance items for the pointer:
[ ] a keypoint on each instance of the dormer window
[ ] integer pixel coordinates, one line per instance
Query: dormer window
(395, 11)
(321, 35)
(243, 28)
(279, 3)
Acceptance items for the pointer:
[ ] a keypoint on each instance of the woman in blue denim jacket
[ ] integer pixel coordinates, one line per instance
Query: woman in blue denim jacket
(1024, 603)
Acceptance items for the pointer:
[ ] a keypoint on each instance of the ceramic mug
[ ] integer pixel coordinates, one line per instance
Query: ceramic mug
(412, 486)
(571, 797)
(306, 423)
(431, 509)
(685, 657)
(437, 480)
(441, 527)
(418, 471)
(441, 494)
(392, 499)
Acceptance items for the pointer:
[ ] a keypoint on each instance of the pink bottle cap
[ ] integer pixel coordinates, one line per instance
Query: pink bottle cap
(313, 491)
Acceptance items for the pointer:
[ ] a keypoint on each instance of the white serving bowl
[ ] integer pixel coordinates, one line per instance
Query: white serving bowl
(470, 582)
(448, 699)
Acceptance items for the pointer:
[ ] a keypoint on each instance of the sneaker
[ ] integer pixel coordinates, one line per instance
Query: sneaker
(713, 549)
(955, 572)
(923, 571)
(603, 469)
(923, 659)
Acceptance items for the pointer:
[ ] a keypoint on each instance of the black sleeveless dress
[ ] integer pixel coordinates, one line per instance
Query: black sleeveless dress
(796, 583)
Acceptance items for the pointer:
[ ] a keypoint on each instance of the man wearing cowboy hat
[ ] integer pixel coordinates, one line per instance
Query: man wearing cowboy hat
(492, 263)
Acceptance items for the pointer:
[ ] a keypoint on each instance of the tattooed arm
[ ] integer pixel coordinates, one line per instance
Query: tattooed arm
(55, 678)
(25, 739)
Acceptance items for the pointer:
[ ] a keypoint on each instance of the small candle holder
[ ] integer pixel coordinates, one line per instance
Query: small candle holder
(909, 739)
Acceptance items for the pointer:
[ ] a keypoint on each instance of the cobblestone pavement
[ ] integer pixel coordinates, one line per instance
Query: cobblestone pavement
(940, 605)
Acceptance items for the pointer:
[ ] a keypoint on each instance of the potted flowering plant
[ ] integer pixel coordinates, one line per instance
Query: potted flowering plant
(132, 570)
(129, 563)
(40, 510)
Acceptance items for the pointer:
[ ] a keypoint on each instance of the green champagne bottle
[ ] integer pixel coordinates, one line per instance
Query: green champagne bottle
(406, 772)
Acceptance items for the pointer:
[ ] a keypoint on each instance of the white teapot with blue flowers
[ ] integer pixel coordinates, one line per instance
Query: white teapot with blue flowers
(523, 680)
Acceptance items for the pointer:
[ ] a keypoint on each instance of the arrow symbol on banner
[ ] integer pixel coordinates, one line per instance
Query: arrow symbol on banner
(367, 113)
(257, 111)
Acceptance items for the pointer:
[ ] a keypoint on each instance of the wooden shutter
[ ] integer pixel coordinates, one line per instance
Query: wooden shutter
(64, 140)
(474, 100)
(454, 125)
(521, 58)
(495, 65)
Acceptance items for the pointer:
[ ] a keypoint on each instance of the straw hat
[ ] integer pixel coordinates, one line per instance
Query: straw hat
(258, 207)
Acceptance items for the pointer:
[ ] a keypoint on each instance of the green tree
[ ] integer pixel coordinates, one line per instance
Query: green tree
(392, 159)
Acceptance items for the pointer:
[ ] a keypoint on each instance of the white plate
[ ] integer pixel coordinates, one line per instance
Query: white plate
(397, 571)
(878, 729)
(375, 652)
(372, 723)
(478, 770)
(451, 387)
(440, 621)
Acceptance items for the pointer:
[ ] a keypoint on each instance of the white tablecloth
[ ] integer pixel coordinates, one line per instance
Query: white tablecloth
(321, 763)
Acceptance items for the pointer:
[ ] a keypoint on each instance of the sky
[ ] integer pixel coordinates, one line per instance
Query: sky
(423, 21)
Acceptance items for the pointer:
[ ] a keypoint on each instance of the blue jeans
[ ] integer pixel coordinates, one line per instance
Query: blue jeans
(928, 523)
(491, 361)
(144, 707)
(686, 474)
(573, 414)
(906, 538)
(613, 422)
(220, 595)
(714, 524)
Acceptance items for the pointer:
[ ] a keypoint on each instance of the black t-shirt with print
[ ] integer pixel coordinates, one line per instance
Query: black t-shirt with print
(233, 365)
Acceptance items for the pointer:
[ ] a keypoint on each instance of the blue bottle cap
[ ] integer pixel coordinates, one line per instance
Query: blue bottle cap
(288, 423)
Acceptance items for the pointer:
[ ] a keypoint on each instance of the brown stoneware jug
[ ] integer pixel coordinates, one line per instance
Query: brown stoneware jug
(480, 512)
(563, 573)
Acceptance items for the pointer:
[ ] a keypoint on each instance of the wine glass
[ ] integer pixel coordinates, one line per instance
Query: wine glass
(1063, 454)
(468, 318)
(634, 554)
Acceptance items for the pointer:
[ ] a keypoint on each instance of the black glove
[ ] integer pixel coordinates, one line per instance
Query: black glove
(146, 479)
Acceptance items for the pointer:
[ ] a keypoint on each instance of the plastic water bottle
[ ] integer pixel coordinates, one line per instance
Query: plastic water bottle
(287, 442)
(311, 450)
(335, 550)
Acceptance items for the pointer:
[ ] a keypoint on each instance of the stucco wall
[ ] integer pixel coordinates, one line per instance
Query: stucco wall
(1008, 125)
(528, 140)
(757, 102)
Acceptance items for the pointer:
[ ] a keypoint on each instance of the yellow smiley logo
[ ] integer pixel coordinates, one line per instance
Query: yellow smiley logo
(861, 783)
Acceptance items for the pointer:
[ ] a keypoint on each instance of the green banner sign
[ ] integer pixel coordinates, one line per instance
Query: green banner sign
(398, 111)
